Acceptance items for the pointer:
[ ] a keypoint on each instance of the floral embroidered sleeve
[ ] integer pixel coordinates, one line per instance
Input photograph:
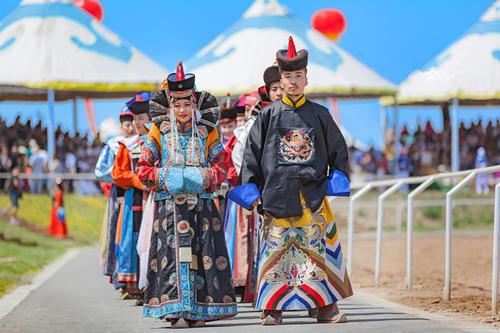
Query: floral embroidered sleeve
(150, 171)
(232, 176)
(147, 169)
(219, 161)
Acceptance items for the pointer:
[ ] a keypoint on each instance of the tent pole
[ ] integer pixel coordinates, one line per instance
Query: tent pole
(51, 142)
(397, 139)
(383, 125)
(455, 163)
(395, 123)
(75, 114)
(335, 110)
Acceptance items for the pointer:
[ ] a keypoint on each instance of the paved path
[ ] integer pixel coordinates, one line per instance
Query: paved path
(79, 299)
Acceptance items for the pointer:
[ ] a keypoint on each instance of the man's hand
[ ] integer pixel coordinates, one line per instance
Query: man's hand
(255, 204)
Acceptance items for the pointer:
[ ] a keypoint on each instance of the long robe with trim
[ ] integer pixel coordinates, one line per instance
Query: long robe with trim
(189, 274)
(290, 150)
(130, 216)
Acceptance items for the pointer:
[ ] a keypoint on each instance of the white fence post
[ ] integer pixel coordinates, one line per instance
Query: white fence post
(409, 229)
(496, 230)
(448, 230)
(399, 210)
(350, 224)
(380, 225)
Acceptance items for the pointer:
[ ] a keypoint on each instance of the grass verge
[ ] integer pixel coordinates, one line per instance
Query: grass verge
(23, 251)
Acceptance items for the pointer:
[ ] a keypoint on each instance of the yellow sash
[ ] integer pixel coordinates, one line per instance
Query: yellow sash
(324, 211)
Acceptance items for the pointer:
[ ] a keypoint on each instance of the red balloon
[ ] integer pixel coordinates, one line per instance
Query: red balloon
(92, 7)
(330, 22)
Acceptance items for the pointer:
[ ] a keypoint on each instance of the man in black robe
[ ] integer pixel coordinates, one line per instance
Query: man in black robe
(292, 148)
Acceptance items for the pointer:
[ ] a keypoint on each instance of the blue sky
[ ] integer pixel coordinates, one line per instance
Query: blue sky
(393, 37)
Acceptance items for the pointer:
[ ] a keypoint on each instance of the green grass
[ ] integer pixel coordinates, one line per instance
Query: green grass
(480, 219)
(466, 218)
(19, 262)
(433, 212)
(83, 213)
(432, 218)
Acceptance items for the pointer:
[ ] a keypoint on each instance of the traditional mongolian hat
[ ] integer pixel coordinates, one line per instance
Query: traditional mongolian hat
(227, 116)
(181, 85)
(248, 100)
(140, 103)
(158, 105)
(126, 115)
(208, 108)
(227, 112)
(264, 95)
(206, 104)
(251, 100)
(271, 75)
(239, 109)
(291, 60)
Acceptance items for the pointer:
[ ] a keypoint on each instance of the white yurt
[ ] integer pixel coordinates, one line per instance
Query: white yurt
(52, 50)
(236, 59)
(52, 44)
(468, 70)
(467, 73)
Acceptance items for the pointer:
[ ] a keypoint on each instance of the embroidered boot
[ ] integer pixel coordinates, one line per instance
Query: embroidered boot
(196, 323)
(179, 323)
(331, 314)
(272, 317)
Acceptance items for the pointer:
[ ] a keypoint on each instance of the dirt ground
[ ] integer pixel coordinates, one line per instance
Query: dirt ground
(471, 273)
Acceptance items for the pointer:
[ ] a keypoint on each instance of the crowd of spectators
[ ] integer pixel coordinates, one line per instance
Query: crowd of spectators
(23, 146)
(426, 151)
(419, 152)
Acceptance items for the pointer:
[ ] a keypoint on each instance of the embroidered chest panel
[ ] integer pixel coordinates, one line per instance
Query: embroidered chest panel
(295, 145)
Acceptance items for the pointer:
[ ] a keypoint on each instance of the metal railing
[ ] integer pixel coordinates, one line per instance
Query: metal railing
(63, 176)
(393, 185)
(494, 268)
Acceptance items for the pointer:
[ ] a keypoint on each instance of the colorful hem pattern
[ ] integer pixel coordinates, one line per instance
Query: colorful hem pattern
(301, 264)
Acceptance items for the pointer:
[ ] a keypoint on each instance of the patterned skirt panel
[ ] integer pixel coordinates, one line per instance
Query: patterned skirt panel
(189, 275)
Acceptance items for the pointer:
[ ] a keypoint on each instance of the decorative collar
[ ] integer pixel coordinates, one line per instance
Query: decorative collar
(301, 101)
(184, 128)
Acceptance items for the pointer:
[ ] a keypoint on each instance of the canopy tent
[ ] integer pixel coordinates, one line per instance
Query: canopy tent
(25, 94)
(467, 73)
(235, 60)
(49, 44)
(468, 70)
(52, 50)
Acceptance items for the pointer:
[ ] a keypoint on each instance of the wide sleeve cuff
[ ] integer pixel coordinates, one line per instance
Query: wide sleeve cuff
(169, 179)
(244, 195)
(338, 185)
(194, 180)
